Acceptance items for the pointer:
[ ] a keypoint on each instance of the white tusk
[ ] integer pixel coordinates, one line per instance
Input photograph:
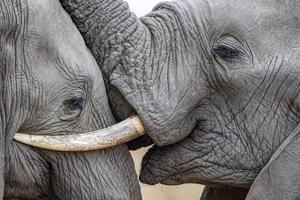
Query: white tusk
(120, 133)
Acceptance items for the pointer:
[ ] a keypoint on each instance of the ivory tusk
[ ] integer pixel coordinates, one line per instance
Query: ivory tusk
(120, 133)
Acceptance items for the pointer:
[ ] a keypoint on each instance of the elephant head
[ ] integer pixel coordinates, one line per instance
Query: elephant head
(218, 78)
(51, 85)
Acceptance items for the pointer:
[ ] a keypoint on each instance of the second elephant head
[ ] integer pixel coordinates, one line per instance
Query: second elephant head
(221, 77)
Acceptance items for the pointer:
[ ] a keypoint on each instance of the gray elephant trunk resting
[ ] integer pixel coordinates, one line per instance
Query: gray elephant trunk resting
(130, 51)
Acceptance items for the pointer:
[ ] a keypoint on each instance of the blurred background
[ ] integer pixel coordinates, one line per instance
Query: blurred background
(142, 7)
(160, 192)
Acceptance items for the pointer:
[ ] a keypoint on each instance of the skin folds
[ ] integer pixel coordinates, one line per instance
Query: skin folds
(52, 85)
(218, 78)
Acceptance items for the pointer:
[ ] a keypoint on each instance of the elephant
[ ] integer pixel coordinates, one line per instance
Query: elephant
(51, 85)
(215, 84)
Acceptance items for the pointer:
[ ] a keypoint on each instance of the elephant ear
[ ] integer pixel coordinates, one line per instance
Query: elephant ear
(13, 17)
(280, 178)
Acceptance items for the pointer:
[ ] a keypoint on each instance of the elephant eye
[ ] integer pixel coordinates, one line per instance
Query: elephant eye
(230, 50)
(71, 108)
(73, 104)
(227, 53)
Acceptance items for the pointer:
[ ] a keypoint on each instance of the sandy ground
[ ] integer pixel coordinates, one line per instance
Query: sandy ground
(161, 192)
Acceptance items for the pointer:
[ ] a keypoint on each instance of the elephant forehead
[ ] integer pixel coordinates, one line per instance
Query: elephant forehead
(54, 44)
(266, 25)
(47, 26)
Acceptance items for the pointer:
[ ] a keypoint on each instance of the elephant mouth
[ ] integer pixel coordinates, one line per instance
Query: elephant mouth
(186, 162)
(120, 133)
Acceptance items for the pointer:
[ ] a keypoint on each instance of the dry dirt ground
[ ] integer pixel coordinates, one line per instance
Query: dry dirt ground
(161, 192)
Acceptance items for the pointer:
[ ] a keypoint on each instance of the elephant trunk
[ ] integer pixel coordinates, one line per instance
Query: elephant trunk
(140, 61)
(110, 30)
(117, 39)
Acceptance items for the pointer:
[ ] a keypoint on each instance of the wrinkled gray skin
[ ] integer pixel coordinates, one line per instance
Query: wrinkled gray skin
(224, 75)
(51, 84)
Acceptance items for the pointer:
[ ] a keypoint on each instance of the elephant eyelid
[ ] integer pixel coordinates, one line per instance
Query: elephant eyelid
(71, 108)
(229, 49)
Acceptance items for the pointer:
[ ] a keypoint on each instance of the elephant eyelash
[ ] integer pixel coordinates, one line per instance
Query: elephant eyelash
(230, 49)
(226, 53)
